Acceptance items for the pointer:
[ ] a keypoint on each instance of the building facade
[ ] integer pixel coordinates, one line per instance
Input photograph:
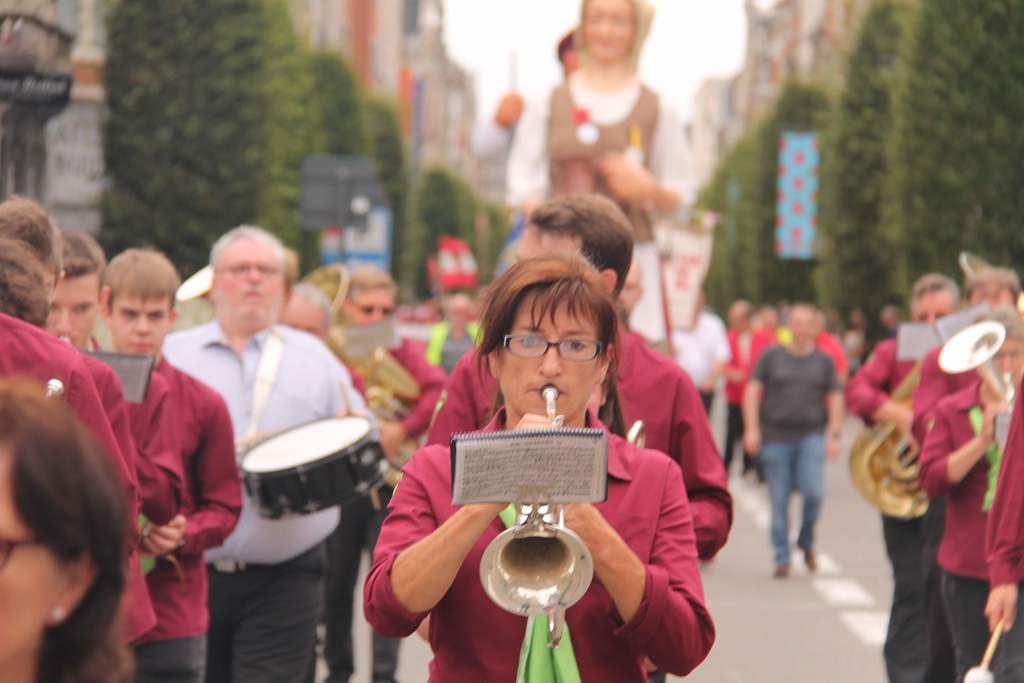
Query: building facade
(35, 86)
(785, 39)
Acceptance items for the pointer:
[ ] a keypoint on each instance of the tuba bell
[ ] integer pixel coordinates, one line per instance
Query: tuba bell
(390, 388)
(883, 463)
(974, 348)
(539, 567)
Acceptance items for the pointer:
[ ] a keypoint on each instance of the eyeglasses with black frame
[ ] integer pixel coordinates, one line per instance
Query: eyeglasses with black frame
(535, 346)
(7, 549)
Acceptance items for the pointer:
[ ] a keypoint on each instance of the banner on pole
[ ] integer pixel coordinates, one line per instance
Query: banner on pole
(686, 266)
(796, 214)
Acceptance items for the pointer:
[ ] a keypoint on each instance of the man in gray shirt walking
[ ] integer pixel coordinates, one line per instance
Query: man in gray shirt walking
(793, 413)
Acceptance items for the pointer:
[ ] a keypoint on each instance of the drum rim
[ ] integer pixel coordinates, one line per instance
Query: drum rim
(355, 446)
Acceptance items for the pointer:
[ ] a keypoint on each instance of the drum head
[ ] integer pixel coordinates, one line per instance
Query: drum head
(305, 444)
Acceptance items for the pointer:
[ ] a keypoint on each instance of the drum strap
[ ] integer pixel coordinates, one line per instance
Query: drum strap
(266, 373)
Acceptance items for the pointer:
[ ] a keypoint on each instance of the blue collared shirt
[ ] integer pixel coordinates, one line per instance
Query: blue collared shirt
(308, 386)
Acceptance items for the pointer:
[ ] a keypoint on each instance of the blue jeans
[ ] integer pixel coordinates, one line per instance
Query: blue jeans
(798, 464)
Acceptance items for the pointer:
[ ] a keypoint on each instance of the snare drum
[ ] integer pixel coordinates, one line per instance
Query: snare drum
(313, 466)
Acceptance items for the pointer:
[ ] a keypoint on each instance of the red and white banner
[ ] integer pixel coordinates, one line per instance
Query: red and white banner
(686, 266)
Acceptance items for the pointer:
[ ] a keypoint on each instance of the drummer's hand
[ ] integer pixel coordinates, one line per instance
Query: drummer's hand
(533, 421)
(347, 412)
(392, 436)
(161, 540)
(1002, 606)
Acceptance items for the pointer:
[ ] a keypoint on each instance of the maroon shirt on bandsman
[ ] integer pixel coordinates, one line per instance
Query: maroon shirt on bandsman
(158, 467)
(962, 550)
(413, 358)
(933, 387)
(652, 388)
(1004, 537)
(27, 351)
(475, 640)
(873, 384)
(199, 426)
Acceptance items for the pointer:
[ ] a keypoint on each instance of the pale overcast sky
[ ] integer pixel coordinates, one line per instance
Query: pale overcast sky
(691, 40)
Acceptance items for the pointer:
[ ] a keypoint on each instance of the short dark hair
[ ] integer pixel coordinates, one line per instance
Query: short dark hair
(23, 291)
(66, 491)
(82, 255)
(599, 224)
(24, 219)
(554, 283)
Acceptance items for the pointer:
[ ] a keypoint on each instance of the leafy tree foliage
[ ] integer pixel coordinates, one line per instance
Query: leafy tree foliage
(744, 192)
(384, 140)
(862, 256)
(958, 179)
(183, 141)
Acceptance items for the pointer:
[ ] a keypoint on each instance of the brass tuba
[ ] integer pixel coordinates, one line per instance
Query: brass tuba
(973, 348)
(539, 567)
(883, 463)
(389, 386)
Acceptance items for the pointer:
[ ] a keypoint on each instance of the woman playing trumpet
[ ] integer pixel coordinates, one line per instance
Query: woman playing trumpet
(546, 322)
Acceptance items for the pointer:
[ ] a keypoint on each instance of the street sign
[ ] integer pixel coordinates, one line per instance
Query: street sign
(337, 190)
(371, 243)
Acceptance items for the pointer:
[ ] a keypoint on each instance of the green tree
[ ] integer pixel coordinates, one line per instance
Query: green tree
(183, 140)
(862, 259)
(291, 128)
(744, 192)
(208, 121)
(958, 179)
(337, 98)
(384, 140)
(443, 204)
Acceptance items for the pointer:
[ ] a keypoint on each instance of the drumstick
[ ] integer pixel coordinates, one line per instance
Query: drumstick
(993, 642)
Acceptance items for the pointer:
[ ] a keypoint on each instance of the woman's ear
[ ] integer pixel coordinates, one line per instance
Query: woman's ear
(494, 364)
(78, 575)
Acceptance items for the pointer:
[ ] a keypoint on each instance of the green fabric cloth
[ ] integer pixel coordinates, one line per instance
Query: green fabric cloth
(438, 336)
(539, 663)
(146, 562)
(994, 456)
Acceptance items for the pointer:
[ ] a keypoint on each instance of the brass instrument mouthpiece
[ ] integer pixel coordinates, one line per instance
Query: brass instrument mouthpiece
(550, 395)
(54, 387)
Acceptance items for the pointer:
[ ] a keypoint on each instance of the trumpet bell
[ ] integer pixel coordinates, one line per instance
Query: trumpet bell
(972, 347)
(533, 571)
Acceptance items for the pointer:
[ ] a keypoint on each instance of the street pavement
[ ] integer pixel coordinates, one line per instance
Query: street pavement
(826, 627)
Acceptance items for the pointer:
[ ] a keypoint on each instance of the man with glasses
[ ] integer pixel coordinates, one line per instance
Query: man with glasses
(371, 299)
(266, 579)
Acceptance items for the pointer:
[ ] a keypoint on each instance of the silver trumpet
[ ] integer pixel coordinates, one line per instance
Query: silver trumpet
(538, 567)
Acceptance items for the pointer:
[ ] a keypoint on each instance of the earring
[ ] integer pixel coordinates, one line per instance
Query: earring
(58, 614)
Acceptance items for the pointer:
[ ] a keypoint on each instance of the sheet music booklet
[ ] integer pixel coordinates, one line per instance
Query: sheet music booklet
(561, 465)
(133, 369)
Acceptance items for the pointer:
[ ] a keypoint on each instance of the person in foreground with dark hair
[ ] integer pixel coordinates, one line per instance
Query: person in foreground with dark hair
(547, 321)
(62, 536)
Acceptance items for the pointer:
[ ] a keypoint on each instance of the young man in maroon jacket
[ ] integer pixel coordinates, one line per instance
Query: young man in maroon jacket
(869, 396)
(652, 387)
(961, 460)
(138, 305)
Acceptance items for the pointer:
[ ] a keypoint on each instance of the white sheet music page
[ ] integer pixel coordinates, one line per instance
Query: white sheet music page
(551, 465)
